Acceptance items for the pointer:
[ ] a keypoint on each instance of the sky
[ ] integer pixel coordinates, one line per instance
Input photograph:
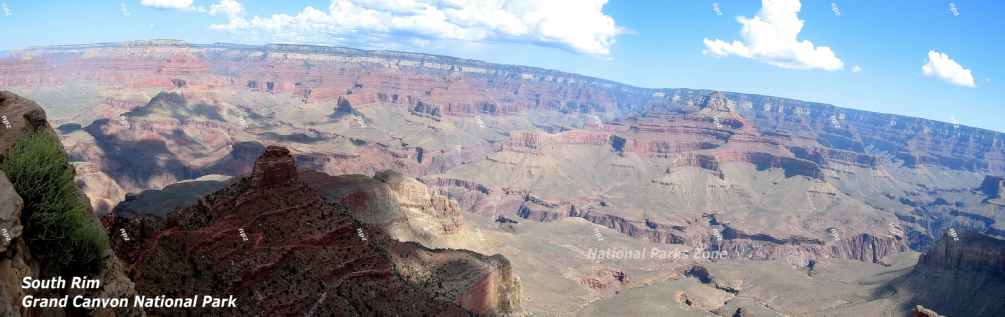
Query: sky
(932, 59)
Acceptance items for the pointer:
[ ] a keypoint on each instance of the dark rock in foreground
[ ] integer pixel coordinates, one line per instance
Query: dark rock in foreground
(282, 249)
(961, 275)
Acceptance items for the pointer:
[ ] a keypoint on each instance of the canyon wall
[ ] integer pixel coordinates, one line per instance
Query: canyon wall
(455, 86)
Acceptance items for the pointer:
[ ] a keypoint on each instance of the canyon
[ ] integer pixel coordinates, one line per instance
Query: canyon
(443, 152)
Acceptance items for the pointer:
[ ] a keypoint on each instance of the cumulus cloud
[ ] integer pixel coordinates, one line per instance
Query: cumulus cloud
(577, 25)
(167, 4)
(229, 8)
(771, 37)
(124, 9)
(6, 9)
(716, 9)
(941, 66)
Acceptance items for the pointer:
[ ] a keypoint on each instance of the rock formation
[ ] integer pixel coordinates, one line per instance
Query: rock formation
(15, 265)
(405, 207)
(921, 311)
(274, 168)
(992, 187)
(963, 274)
(270, 235)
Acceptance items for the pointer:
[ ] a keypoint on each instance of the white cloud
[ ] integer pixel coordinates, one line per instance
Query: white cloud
(835, 9)
(953, 9)
(168, 4)
(716, 9)
(230, 8)
(941, 66)
(771, 37)
(578, 25)
(124, 9)
(6, 9)
(856, 69)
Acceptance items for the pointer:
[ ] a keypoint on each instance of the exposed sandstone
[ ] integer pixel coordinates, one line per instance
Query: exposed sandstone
(404, 206)
(921, 311)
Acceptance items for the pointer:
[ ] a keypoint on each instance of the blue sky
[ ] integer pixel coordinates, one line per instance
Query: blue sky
(644, 43)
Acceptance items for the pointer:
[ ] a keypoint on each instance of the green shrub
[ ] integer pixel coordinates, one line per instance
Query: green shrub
(57, 227)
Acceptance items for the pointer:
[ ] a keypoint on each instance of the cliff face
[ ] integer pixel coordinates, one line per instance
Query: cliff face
(844, 136)
(16, 261)
(270, 233)
(402, 205)
(992, 187)
(453, 86)
(921, 311)
(317, 74)
(962, 275)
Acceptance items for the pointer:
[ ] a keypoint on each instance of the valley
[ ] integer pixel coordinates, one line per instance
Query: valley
(507, 177)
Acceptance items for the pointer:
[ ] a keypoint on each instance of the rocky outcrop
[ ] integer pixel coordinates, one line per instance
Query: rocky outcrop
(606, 281)
(10, 213)
(485, 285)
(274, 168)
(992, 187)
(441, 215)
(921, 311)
(18, 116)
(343, 108)
(963, 274)
(16, 261)
(271, 235)
(426, 110)
(965, 252)
(103, 192)
(405, 207)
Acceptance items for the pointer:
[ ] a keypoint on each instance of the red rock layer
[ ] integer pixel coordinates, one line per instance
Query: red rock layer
(282, 249)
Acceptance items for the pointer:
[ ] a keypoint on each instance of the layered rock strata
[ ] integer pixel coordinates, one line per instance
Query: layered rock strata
(270, 235)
